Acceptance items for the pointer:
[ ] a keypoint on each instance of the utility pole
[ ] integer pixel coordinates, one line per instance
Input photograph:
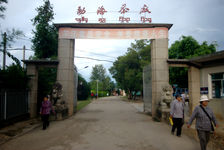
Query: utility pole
(4, 50)
(97, 88)
(24, 48)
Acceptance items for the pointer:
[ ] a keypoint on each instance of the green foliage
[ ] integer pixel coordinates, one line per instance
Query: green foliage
(100, 93)
(46, 79)
(98, 73)
(45, 40)
(109, 85)
(185, 48)
(127, 70)
(104, 81)
(13, 77)
(83, 91)
(2, 8)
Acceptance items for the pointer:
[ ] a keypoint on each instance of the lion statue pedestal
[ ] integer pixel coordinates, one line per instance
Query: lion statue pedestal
(164, 104)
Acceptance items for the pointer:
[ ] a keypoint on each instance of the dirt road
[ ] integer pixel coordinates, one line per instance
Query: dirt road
(105, 124)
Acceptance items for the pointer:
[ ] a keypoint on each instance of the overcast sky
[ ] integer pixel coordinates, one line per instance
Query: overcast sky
(202, 19)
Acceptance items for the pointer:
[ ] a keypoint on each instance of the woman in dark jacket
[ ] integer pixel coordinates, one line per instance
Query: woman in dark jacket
(204, 121)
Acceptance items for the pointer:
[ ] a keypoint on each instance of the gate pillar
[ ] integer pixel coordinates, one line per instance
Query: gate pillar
(65, 72)
(160, 71)
(32, 71)
(194, 87)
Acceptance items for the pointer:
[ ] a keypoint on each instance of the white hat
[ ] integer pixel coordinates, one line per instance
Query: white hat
(204, 98)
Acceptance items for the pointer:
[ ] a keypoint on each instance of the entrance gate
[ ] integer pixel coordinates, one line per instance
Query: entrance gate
(158, 33)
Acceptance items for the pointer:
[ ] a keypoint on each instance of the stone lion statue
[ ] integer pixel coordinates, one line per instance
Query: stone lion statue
(59, 105)
(56, 92)
(166, 96)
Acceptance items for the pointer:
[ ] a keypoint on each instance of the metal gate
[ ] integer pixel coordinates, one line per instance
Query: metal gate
(147, 89)
(13, 103)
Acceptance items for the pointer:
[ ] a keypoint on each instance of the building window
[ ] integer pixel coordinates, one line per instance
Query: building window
(218, 85)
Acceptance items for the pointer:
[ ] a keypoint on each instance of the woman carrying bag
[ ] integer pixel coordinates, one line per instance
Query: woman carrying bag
(204, 121)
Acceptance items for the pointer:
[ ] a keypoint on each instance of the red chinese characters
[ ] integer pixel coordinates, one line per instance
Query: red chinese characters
(101, 10)
(81, 11)
(124, 10)
(121, 18)
(145, 10)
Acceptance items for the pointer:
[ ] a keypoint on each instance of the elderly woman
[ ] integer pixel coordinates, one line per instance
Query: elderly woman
(45, 110)
(204, 118)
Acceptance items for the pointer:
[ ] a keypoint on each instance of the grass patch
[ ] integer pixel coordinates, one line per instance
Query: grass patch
(82, 104)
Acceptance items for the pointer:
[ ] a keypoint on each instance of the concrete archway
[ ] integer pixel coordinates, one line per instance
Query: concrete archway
(158, 33)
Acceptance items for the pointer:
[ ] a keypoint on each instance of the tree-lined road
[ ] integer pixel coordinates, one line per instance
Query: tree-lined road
(105, 124)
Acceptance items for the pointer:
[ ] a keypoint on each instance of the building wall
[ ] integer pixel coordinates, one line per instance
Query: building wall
(217, 104)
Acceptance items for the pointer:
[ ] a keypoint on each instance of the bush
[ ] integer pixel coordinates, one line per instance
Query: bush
(100, 93)
(14, 77)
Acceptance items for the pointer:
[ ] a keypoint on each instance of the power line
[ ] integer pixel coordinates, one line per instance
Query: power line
(94, 59)
(15, 49)
(24, 39)
(11, 49)
(96, 53)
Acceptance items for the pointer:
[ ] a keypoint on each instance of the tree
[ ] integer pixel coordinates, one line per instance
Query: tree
(6, 40)
(2, 8)
(8, 37)
(127, 70)
(109, 85)
(99, 76)
(46, 80)
(98, 73)
(185, 48)
(83, 90)
(45, 38)
(45, 46)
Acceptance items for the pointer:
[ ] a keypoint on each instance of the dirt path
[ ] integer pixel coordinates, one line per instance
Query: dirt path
(105, 124)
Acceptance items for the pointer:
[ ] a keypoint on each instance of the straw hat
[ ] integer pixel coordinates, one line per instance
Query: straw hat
(204, 98)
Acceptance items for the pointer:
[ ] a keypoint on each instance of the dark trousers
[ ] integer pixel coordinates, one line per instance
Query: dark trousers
(45, 119)
(177, 123)
(204, 137)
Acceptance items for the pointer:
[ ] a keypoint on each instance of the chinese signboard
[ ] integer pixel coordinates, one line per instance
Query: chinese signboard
(139, 33)
(123, 11)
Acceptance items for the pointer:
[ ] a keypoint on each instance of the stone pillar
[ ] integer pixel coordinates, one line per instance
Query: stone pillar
(65, 72)
(160, 71)
(194, 87)
(33, 84)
